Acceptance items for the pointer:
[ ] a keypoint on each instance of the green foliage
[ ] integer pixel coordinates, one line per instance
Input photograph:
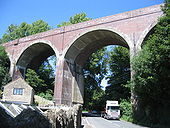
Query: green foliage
(152, 72)
(78, 18)
(47, 71)
(18, 31)
(96, 69)
(39, 26)
(94, 72)
(96, 65)
(34, 80)
(126, 110)
(4, 68)
(4, 60)
(96, 100)
(63, 24)
(47, 94)
(38, 84)
(119, 67)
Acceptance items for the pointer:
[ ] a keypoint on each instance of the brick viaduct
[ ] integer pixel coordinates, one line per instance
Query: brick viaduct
(73, 44)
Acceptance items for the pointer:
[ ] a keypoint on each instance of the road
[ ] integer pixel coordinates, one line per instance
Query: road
(98, 122)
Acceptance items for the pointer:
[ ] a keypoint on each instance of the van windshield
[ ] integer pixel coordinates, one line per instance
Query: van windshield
(112, 107)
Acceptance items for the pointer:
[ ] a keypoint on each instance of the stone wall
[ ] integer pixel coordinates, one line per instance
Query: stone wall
(58, 117)
(68, 117)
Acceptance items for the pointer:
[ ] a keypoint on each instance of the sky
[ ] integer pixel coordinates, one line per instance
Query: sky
(56, 11)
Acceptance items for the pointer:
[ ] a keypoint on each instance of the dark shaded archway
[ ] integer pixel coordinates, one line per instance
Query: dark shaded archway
(34, 56)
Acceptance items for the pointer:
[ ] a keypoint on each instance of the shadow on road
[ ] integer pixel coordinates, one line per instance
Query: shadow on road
(87, 114)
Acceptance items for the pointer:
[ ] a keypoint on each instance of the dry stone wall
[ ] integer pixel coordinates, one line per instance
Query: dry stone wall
(63, 117)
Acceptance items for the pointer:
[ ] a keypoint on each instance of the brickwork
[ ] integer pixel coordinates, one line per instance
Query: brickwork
(73, 43)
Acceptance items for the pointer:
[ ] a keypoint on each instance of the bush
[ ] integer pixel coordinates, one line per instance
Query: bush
(151, 77)
(126, 110)
(47, 95)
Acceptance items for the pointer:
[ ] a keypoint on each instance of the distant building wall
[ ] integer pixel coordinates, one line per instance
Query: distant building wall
(18, 91)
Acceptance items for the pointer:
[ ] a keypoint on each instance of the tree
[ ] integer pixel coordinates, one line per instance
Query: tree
(119, 67)
(39, 26)
(78, 18)
(34, 80)
(94, 72)
(96, 66)
(18, 31)
(47, 71)
(38, 84)
(152, 74)
(4, 68)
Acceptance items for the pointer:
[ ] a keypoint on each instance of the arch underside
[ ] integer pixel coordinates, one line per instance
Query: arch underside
(34, 56)
(84, 46)
(151, 31)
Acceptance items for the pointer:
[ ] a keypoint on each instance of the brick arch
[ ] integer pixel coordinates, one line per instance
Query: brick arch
(39, 41)
(85, 39)
(145, 33)
(34, 54)
(79, 51)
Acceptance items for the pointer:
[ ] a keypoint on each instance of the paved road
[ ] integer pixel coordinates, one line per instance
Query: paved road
(98, 122)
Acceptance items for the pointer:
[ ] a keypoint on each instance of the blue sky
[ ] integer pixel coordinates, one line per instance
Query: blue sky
(56, 11)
